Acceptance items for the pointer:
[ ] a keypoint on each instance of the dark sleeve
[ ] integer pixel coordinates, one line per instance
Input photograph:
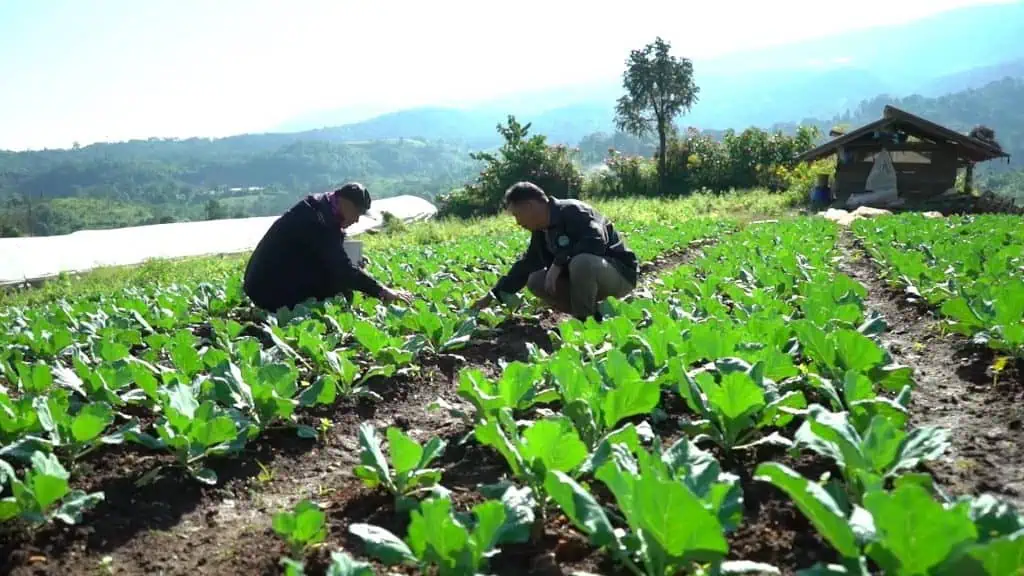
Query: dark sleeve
(342, 273)
(346, 275)
(586, 232)
(519, 273)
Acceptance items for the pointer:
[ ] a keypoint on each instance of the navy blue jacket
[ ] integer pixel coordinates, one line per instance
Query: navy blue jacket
(301, 257)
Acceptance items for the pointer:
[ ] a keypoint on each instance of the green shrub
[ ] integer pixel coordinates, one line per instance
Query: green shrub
(521, 157)
(696, 162)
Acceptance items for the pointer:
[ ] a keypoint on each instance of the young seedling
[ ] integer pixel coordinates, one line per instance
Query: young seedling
(410, 476)
(43, 494)
(302, 527)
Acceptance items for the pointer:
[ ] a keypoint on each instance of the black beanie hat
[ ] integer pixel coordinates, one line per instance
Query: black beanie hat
(357, 194)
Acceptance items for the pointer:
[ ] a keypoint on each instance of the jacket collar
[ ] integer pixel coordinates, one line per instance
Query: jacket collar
(332, 201)
(555, 217)
(325, 203)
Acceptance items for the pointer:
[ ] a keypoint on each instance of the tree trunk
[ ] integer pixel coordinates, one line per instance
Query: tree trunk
(662, 160)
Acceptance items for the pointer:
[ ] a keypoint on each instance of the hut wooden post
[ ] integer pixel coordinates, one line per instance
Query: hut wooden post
(969, 178)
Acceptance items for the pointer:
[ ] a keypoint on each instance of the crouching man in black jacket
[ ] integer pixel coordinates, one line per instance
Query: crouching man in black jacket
(575, 258)
(302, 257)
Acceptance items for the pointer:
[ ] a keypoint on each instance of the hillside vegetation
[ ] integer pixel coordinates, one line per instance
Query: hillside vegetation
(129, 183)
(996, 105)
(166, 180)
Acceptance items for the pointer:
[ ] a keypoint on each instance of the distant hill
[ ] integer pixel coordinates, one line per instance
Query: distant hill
(996, 105)
(973, 78)
(948, 52)
(163, 180)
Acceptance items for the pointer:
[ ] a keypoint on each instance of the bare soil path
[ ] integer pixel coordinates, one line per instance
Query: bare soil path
(955, 388)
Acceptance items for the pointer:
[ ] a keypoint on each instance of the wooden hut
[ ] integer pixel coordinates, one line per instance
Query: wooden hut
(925, 156)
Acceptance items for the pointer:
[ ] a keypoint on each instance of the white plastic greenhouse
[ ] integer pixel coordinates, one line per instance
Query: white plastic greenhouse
(36, 258)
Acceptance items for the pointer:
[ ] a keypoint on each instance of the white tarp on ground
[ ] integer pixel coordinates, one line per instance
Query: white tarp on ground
(24, 259)
(844, 218)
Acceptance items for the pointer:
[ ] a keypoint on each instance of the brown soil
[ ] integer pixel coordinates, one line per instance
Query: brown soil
(955, 389)
(774, 531)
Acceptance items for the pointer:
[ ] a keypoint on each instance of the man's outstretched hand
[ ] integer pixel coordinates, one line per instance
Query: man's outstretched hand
(388, 296)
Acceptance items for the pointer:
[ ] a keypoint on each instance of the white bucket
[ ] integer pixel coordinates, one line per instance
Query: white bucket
(354, 249)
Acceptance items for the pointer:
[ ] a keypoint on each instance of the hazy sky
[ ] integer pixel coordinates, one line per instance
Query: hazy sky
(91, 70)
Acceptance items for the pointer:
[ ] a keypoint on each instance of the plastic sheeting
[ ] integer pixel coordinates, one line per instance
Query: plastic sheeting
(28, 259)
(881, 184)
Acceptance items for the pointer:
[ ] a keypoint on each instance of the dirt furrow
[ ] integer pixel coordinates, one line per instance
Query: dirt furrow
(955, 388)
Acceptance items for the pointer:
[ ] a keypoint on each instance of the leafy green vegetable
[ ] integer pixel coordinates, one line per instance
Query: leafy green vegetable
(411, 474)
(43, 494)
(304, 526)
(453, 544)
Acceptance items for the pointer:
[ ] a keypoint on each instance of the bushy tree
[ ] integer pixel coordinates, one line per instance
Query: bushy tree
(215, 210)
(658, 87)
(521, 157)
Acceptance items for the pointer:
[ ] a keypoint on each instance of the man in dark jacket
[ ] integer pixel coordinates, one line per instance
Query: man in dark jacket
(302, 256)
(575, 258)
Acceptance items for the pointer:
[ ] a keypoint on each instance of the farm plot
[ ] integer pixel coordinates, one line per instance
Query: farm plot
(687, 433)
(970, 268)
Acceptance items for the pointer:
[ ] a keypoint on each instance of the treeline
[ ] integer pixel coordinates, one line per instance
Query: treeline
(658, 87)
(161, 171)
(996, 105)
(696, 161)
(1008, 184)
(659, 161)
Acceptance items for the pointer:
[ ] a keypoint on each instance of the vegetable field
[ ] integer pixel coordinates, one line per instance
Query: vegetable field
(777, 397)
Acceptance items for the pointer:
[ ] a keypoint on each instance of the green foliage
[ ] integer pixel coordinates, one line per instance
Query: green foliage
(1007, 184)
(407, 473)
(302, 527)
(659, 87)
(973, 277)
(43, 493)
(759, 322)
(215, 210)
(752, 158)
(111, 280)
(521, 157)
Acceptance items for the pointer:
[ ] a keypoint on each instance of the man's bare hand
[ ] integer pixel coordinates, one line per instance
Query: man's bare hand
(551, 278)
(388, 296)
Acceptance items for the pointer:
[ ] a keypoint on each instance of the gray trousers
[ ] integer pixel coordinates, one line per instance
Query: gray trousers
(590, 280)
